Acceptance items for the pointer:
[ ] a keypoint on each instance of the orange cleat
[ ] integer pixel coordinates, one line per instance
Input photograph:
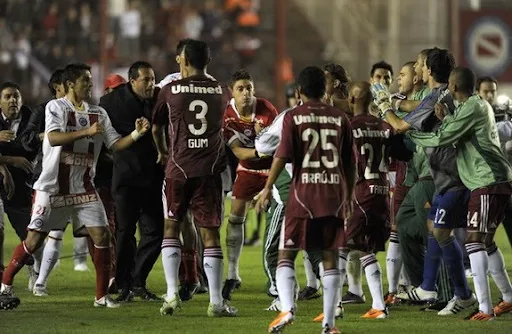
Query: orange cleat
(391, 300)
(480, 316)
(319, 318)
(339, 313)
(375, 314)
(502, 308)
(280, 322)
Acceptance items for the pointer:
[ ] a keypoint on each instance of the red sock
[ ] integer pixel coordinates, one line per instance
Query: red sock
(19, 258)
(189, 262)
(102, 265)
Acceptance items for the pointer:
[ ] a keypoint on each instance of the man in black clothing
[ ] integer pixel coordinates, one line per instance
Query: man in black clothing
(136, 185)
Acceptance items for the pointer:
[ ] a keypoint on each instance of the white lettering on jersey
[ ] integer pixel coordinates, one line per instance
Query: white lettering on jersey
(178, 89)
(358, 133)
(70, 200)
(312, 118)
(323, 178)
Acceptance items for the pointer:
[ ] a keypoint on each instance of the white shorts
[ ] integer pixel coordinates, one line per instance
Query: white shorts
(53, 212)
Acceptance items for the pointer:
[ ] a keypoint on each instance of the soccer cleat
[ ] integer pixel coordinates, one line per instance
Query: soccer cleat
(32, 278)
(468, 273)
(332, 330)
(125, 296)
(229, 286)
(8, 301)
(391, 300)
(352, 298)
(502, 307)
(106, 301)
(456, 305)
(220, 311)
(480, 316)
(187, 290)
(309, 293)
(170, 305)
(144, 294)
(375, 314)
(40, 290)
(275, 305)
(280, 322)
(418, 295)
(338, 314)
(81, 266)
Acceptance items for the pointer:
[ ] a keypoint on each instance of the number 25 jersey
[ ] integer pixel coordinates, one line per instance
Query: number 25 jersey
(193, 108)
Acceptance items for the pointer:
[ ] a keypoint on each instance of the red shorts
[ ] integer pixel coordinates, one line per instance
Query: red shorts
(324, 233)
(486, 208)
(398, 197)
(248, 184)
(201, 195)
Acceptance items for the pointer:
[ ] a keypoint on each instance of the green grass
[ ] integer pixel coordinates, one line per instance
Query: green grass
(69, 308)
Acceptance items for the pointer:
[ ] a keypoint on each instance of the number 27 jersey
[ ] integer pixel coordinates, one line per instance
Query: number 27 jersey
(193, 108)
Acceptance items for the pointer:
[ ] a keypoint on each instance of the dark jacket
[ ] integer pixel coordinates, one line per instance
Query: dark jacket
(135, 166)
(30, 137)
(22, 180)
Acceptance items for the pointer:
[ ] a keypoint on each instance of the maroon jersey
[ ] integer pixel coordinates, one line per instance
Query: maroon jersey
(317, 139)
(193, 108)
(371, 135)
(236, 127)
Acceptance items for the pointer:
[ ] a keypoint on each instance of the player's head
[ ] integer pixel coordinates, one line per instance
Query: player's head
(179, 49)
(142, 79)
(78, 81)
(10, 99)
(381, 72)
(487, 88)
(406, 78)
(359, 97)
(56, 84)
(311, 83)
(194, 57)
(242, 88)
(291, 96)
(420, 62)
(439, 64)
(112, 81)
(336, 79)
(461, 82)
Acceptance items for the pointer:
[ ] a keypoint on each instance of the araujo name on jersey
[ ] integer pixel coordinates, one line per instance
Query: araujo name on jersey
(177, 89)
(358, 133)
(312, 118)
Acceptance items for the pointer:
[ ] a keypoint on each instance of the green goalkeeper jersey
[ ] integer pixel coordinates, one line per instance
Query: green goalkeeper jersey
(472, 129)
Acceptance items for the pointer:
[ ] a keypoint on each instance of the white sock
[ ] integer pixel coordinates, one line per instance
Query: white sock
(499, 274)
(80, 250)
(285, 279)
(171, 259)
(354, 272)
(310, 275)
(373, 273)
(214, 267)
(234, 244)
(479, 267)
(51, 254)
(404, 277)
(330, 284)
(393, 263)
(38, 258)
(342, 265)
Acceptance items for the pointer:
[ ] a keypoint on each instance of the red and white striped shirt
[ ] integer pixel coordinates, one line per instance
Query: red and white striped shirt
(70, 169)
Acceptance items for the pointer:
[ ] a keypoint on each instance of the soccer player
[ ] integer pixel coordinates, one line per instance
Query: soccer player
(244, 118)
(74, 135)
(487, 174)
(317, 140)
(487, 87)
(336, 87)
(193, 108)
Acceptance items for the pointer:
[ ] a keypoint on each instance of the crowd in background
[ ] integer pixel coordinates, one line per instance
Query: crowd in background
(46, 34)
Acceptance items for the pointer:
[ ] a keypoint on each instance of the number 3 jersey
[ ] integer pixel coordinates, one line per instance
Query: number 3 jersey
(317, 139)
(70, 168)
(193, 108)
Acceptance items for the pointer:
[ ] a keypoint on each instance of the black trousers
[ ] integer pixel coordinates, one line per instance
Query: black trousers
(142, 205)
(507, 222)
(19, 216)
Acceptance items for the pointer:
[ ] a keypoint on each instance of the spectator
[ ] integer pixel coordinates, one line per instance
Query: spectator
(130, 28)
(192, 23)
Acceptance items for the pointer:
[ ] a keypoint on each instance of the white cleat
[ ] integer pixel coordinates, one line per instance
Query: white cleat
(106, 301)
(40, 290)
(418, 295)
(275, 306)
(82, 266)
(32, 278)
(170, 305)
(224, 310)
(457, 305)
(468, 273)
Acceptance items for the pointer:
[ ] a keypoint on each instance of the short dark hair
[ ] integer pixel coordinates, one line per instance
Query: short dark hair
(74, 71)
(197, 53)
(339, 73)
(9, 84)
(311, 81)
(465, 79)
(181, 45)
(57, 78)
(480, 80)
(133, 72)
(241, 74)
(381, 64)
(441, 63)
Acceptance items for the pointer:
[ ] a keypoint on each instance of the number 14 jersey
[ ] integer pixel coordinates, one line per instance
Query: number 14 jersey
(193, 108)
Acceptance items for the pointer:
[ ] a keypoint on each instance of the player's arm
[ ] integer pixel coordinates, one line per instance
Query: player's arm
(267, 141)
(407, 105)
(160, 120)
(396, 122)
(58, 138)
(243, 153)
(112, 137)
(383, 102)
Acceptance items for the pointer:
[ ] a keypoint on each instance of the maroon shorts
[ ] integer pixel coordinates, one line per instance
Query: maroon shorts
(201, 195)
(398, 197)
(486, 208)
(248, 184)
(324, 233)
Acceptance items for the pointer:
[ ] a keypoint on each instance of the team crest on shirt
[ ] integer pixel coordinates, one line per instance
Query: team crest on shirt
(37, 222)
(248, 132)
(82, 121)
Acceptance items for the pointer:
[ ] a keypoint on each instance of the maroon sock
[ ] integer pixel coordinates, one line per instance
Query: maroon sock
(19, 258)
(102, 265)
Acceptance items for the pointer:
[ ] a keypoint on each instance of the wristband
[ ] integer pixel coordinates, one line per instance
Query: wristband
(135, 135)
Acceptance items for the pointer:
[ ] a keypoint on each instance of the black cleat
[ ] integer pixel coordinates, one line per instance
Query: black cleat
(230, 285)
(308, 293)
(125, 296)
(8, 301)
(352, 298)
(187, 290)
(145, 294)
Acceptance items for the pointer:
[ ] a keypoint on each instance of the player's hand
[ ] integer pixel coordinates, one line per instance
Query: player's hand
(347, 208)
(95, 129)
(440, 110)
(7, 136)
(21, 163)
(162, 158)
(142, 125)
(258, 126)
(8, 182)
(380, 93)
(262, 200)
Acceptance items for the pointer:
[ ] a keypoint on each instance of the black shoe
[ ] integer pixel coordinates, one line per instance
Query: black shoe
(352, 298)
(125, 296)
(187, 290)
(308, 293)
(229, 286)
(145, 294)
(434, 307)
(8, 301)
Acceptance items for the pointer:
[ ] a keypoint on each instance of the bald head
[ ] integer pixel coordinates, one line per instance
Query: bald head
(462, 80)
(359, 97)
